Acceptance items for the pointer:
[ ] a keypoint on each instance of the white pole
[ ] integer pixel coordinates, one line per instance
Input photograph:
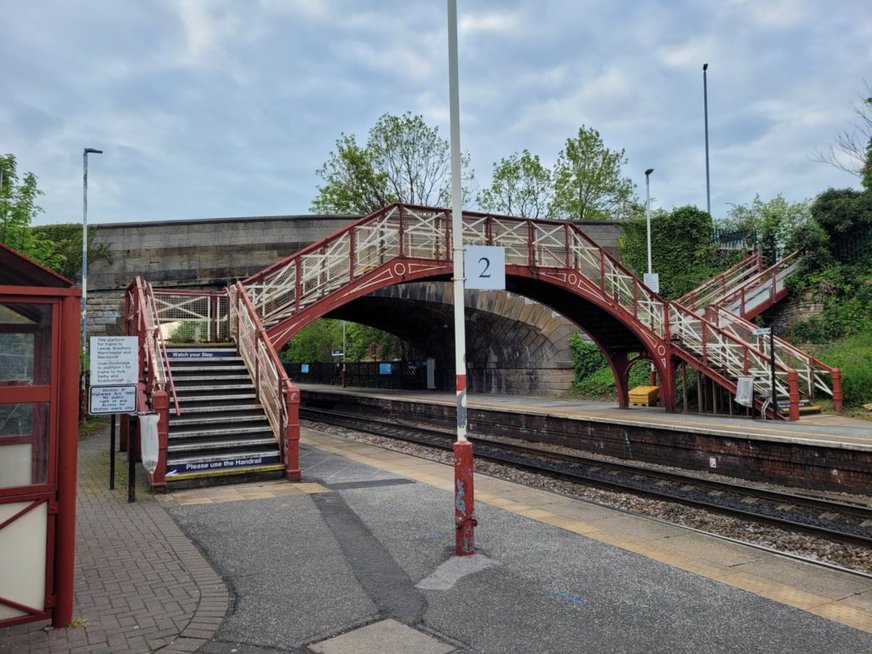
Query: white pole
(464, 500)
(457, 224)
(648, 214)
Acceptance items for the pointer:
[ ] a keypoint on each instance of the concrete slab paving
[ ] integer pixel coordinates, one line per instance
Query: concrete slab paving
(384, 637)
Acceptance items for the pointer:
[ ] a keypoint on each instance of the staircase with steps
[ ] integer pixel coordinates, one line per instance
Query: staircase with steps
(222, 433)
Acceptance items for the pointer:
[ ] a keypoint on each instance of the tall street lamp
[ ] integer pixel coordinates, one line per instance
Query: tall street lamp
(85, 154)
(648, 216)
(708, 190)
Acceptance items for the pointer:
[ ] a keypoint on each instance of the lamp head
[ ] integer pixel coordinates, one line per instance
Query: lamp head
(649, 171)
(705, 67)
(93, 151)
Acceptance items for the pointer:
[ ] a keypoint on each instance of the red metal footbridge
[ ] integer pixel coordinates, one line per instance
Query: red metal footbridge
(552, 262)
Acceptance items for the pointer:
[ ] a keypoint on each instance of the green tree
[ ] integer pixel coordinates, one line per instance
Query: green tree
(587, 180)
(405, 160)
(352, 183)
(778, 223)
(18, 208)
(520, 186)
(681, 249)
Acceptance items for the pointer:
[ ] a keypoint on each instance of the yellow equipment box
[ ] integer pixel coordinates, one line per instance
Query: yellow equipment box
(644, 395)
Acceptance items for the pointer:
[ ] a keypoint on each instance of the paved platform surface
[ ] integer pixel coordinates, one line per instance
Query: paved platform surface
(820, 429)
(359, 558)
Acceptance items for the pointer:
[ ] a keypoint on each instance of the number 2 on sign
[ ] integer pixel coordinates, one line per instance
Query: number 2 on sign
(485, 266)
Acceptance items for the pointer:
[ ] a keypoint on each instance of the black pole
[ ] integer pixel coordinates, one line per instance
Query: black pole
(111, 451)
(131, 464)
(772, 365)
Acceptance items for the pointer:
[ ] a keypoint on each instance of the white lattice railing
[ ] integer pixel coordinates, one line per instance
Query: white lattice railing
(719, 286)
(762, 290)
(270, 380)
(192, 315)
(402, 231)
(814, 375)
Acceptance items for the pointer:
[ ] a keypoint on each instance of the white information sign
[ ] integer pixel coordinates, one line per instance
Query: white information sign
(485, 267)
(112, 399)
(652, 281)
(761, 331)
(114, 360)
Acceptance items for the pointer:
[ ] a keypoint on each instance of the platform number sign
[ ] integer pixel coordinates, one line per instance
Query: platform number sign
(485, 267)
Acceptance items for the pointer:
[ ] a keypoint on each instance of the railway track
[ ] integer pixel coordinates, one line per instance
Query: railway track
(843, 522)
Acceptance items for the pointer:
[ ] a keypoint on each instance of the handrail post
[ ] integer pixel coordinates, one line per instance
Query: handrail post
(160, 402)
(837, 390)
(292, 433)
(793, 394)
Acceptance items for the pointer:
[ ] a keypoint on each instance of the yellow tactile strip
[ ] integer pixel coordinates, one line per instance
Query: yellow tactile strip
(240, 493)
(831, 594)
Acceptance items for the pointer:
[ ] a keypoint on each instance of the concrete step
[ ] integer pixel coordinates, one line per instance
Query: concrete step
(189, 368)
(220, 462)
(238, 418)
(228, 376)
(198, 431)
(220, 387)
(223, 409)
(205, 445)
(236, 397)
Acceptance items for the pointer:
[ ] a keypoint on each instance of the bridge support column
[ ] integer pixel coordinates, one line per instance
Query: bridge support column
(620, 363)
(666, 373)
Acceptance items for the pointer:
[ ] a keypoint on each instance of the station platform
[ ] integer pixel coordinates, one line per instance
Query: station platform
(820, 429)
(358, 558)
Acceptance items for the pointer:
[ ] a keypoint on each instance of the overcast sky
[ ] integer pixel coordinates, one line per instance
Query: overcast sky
(212, 108)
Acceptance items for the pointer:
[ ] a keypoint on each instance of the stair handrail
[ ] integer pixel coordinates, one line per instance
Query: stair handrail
(145, 323)
(707, 292)
(170, 385)
(765, 283)
(811, 370)
(276, 393)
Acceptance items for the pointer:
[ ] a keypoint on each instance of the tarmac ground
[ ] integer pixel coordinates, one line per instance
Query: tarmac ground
(358, 558)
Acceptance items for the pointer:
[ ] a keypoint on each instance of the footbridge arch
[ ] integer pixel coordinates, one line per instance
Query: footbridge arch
(554, 263)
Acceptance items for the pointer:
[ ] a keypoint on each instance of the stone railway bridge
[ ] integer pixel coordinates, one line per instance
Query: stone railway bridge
(515, 345)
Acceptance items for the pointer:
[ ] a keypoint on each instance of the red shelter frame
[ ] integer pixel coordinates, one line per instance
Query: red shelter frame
(42, 310)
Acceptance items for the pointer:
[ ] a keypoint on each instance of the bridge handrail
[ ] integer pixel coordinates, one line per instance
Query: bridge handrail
(767, 281)
(811, 371)
(145, 322)
(276, 393)
(423, 233)
(708, 292)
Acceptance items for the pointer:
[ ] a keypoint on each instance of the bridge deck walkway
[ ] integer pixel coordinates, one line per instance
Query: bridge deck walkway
(823, 429)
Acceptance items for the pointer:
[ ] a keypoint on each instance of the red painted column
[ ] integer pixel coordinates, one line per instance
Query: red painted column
(292, 435)
(464, 500)
(837, 390)
(160, 402)
(793, 394)
(68, 442)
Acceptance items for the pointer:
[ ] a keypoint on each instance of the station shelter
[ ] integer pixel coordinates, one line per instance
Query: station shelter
(39, 378)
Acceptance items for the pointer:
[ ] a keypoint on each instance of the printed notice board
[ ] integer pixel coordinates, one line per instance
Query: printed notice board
(114, 360)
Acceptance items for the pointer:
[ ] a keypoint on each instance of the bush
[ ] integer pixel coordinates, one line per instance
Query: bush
(593, 375)
(851, 356)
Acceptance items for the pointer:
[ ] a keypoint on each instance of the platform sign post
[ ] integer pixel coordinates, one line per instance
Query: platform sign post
(114, 374)
(464, 500)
